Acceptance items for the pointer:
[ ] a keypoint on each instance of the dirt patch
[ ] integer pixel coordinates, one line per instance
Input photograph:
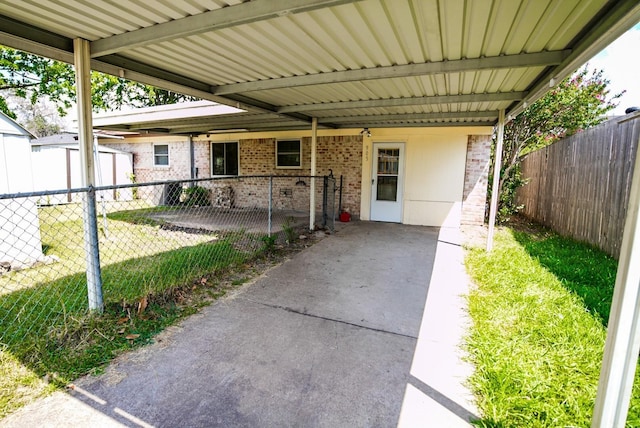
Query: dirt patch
(475, 236)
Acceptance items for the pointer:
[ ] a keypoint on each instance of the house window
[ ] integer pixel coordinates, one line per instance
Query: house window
(224, 158)
(161, 155)
(288, 154)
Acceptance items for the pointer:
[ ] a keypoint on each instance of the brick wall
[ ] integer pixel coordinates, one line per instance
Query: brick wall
(143, 167)
(476, 179)
(146, 171)
(341, 154)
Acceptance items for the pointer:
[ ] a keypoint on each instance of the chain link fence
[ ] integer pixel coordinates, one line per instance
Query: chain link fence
(126, 242)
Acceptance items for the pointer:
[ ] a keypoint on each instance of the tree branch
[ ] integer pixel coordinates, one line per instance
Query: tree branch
(14, 86)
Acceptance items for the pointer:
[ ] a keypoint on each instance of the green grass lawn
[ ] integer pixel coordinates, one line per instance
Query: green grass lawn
(151, 277)
(539, 315)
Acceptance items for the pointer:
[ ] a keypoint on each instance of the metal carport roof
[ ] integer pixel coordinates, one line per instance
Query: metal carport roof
(349, 63)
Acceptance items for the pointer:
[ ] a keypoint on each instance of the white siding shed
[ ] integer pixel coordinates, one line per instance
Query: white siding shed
(20, 242)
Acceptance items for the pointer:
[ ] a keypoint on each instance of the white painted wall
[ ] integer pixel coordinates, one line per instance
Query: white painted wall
(434, 172)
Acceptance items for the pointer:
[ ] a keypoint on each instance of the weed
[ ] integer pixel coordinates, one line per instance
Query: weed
(269, 243)
(289, 231)
(134, 190)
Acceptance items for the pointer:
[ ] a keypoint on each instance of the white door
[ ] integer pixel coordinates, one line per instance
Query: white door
(388, 172)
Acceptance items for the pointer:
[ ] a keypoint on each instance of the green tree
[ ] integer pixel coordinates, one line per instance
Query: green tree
(33, 77)
(41, 119)
(579, 102)
(5, 108)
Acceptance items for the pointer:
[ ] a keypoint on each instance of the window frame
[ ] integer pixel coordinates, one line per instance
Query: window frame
(155, 156)
(299, 141)
(211, 158)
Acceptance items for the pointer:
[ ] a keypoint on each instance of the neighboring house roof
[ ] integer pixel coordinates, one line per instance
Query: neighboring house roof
(176, 118)
(10, 126)
(346, 63)
(101, 149)
(66, 138)
(62, 138)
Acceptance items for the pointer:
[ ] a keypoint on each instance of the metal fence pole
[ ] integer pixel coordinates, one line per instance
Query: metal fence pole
(270, 203)
(325, 186)
(340, 200)
(92, 255)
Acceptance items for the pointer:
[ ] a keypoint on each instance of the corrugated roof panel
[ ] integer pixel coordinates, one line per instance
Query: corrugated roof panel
(288, 59)
(503, 15)
(378, 20)
(554, 16)
(322, 35)
(467, 82)
(476, 22)
(427, 83)
(580, 16)
(266, 53)
(523, 26)
(93, 19)
(230, 63)
(312, 56)
(506, 80)
(55, 19)
(430, 28)
(405, 20)
(175, 56)
(452, 15)
(522, 78)
(216, 65)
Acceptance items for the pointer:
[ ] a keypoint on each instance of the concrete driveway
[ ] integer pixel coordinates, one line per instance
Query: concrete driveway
(326, 339)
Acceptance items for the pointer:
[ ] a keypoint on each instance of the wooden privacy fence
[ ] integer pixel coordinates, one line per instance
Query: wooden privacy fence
(580, 185)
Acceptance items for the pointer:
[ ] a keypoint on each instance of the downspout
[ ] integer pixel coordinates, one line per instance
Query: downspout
(496, 181)
(192, 158)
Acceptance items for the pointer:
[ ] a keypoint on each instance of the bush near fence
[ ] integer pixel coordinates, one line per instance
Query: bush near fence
(580, 185)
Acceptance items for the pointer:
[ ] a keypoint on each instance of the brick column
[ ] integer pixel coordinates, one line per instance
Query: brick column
(474, 197)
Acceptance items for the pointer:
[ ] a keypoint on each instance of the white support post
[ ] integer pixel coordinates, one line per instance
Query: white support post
(497, 163)
(82, 62)
(623, 332)
(312, 187)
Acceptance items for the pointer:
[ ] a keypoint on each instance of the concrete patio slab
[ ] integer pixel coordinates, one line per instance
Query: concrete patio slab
(330, 338)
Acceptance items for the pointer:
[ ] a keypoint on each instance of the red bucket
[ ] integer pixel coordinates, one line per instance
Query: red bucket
(345, 217)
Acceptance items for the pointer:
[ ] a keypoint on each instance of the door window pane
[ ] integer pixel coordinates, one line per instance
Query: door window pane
(388, 161)
(387, 189)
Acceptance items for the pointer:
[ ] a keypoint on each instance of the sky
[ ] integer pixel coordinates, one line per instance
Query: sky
(620, 64)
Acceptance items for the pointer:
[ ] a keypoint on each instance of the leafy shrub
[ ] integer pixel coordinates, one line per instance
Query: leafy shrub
(196, 195)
